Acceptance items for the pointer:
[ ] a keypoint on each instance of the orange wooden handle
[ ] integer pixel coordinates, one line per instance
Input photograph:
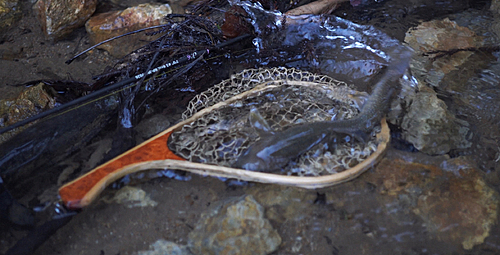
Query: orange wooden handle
(82, 191)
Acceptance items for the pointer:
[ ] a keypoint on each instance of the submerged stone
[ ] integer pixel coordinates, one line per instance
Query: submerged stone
(152, 126)
(449, 195)
(236, 227)
(441, 35)
(293, 203)
(132, 197)
(431, 128)
(495, 6)
(106, 25)
(441, 48)
(162, 247)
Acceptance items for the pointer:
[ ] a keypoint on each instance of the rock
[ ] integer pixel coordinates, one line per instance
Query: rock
(484, 24)
(441, 35)
(236, 227)
(466, 78)
(440, 49)
(30, 102)
(132, 197)
(400, 103)
(449, 195)
(495, 6)
(162, 247)
(10, 12)
(301, 216)
(431, 128)
(99, 150)
(235, 23)
(110, 24)
(152, 126)
(293, 203)
(61, 17)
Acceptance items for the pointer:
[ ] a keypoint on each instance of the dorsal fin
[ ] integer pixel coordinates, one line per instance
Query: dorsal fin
(259, 123)
(359, 99)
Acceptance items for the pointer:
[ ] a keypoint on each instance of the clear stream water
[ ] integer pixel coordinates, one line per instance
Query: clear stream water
(353, 218)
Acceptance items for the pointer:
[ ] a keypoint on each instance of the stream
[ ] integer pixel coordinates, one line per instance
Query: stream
(435, 191)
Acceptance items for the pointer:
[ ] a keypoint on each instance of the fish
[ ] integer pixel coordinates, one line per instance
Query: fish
(275, 149)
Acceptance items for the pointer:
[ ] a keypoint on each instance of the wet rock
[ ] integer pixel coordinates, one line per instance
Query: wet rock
(99, 150)
(12, 210)
(152, 126)
(131, 197)
(431, 128)
(61, 17)
(301, 216)
(400, 104)
(110, 24)
(449, 195)
(162, 247)
(484, 24)
(441, 35)
(472, 90)
(235, 23)
(283, 203)
(236, 227)
(441, 47)
(465, 78)
(495, 6)
(10, 11)
(30, 102)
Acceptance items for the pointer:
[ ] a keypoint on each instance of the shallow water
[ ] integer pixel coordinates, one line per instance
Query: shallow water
(364, 216)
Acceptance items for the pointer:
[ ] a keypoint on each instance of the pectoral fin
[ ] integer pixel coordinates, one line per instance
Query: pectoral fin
(357, 134)
(360, 136)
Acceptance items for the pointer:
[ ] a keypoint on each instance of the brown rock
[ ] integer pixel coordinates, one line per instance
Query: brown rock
(110, 24)
(441, 35)
(437, 44)
(235, 23)
(39, 96)
(61, 17)
(31, 101)
(450, 196)
(10, 11)
(237, 227)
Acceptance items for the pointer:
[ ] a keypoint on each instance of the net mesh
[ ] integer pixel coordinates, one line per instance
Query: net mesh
(283, 97)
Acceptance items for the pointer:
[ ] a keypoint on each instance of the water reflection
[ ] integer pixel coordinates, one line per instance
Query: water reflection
(340, 48)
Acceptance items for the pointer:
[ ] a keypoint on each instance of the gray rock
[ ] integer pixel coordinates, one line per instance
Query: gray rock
(236, 227)
(431, 128)
(163, 247)
(495, 6)
(152, 126)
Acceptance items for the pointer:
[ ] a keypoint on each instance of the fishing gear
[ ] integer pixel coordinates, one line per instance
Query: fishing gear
(109, 40)
(105, 90)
